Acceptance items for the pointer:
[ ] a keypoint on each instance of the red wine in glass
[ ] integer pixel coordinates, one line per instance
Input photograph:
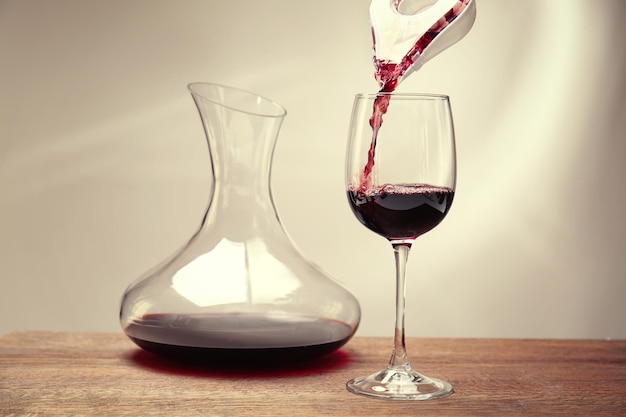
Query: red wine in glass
(399, 212)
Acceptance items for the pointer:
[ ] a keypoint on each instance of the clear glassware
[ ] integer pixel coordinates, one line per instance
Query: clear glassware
(407, 34)
(400, 177)
(238, 290)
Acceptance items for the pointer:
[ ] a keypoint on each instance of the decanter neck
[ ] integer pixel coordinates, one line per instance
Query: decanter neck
(242, 175)
(241, 130)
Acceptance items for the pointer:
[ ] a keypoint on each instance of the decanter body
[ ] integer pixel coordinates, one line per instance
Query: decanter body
(238, 289)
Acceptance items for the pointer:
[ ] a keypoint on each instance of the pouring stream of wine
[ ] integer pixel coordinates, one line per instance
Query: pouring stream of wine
(423, 34)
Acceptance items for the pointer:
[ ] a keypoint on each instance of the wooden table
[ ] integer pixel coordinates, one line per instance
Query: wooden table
(47, 373)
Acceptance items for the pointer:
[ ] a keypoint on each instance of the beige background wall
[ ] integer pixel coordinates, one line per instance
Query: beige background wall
(103, 166)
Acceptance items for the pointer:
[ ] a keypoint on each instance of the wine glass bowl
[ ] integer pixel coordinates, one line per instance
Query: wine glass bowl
(400, 183)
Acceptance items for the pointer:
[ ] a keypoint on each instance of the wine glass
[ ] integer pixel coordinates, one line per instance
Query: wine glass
(400, 177)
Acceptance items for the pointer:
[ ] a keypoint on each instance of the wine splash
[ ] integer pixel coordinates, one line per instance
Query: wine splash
(406, 34)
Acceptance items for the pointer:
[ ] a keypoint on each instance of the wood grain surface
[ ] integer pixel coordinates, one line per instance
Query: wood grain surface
(68, 374)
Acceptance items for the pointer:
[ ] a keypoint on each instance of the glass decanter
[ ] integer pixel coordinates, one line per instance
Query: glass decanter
(239, 289)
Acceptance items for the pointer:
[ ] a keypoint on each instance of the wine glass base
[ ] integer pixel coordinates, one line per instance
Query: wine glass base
(399, 384)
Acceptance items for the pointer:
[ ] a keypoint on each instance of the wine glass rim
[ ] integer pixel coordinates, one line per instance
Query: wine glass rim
(423, 96)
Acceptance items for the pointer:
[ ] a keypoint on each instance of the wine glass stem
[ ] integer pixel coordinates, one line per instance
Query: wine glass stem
(399, 357)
